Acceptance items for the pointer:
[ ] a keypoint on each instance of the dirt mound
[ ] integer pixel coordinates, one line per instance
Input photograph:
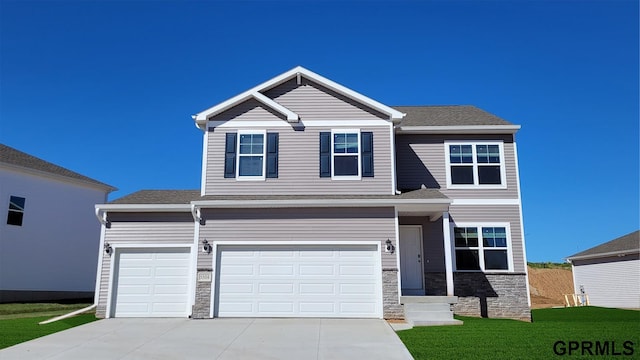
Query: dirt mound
(548, 286)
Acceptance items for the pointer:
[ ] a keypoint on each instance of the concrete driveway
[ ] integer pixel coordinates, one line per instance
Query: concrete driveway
(218, 339)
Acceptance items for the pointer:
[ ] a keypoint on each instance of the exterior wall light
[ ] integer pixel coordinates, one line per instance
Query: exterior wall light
(206, 247)
(108, 249)
(389, 247)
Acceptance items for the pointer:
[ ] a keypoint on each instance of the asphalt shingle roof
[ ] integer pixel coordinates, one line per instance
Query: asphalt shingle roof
(186, 196)
(11, 156)
(629, 242)
(447, 115)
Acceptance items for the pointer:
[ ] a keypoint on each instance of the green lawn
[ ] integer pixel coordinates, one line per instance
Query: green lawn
(572, 332)
(19, 310)
(19, 322)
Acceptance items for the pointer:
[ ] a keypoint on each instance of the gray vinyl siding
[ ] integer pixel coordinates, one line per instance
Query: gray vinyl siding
(298, 166)
(299, 225)
(609, 282)
(421, 160)
(494, 214)
(313, 101)
(139, 229)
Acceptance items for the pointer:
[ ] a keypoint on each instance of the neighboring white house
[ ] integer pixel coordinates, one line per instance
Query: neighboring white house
(610, 273)
(48, 234)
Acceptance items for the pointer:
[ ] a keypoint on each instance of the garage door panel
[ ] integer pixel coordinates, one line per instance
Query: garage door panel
(317, 289)
(152, 283)
(317, 270)
(293, 280)
(277, 270)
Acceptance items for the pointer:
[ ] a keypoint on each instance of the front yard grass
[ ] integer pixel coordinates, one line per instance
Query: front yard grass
(19, 322)
(554, 333)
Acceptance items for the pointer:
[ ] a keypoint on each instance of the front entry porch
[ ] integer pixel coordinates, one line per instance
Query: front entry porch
(429, 310)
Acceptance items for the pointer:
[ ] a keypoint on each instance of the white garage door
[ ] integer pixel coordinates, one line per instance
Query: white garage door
(152, 283)
(298, 281)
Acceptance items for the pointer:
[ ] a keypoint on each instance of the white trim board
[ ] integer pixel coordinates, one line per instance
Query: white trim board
(485, 202)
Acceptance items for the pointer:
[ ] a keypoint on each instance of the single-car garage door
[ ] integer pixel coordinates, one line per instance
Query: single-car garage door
(298, 281)
(152, 282)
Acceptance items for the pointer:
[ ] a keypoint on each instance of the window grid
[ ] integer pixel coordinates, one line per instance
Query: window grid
(345, 154)
(475, 165)
(481, 248)
(251, 155)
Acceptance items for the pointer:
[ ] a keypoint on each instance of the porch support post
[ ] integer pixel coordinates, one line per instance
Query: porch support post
(448, 264)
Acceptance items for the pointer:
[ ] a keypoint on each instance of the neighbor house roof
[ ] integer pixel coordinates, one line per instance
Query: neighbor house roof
(451, 118)
(18, 159)
(626, 244)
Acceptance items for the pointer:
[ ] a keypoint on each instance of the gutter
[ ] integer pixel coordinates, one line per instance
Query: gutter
(316, 203)
(620, 253)
(459, 129)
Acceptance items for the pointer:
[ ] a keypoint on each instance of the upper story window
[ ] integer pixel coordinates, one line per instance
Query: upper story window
(251, 155)
(475, 165)
(482, 247)
(346, 154)
(16, 210)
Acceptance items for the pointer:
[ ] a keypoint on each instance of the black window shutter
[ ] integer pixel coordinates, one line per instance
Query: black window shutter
(272, 155)
(366, 139)
(325, 154)
(230, 156)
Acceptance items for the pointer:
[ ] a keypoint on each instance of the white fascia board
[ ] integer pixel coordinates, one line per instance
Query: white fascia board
(316, 203)
(144, 207)
(291, 116)
(201, 117)
(620, 253)
(459, 129)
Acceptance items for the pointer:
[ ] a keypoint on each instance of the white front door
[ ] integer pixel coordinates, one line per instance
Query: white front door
(298, 281)
(411, 270)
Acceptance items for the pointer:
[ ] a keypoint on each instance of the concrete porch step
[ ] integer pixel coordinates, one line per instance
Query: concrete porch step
(429, 310)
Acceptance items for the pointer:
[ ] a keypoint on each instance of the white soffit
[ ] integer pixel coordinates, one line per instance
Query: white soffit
(256, 92)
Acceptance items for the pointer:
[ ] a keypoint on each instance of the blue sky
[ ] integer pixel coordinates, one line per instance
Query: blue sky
(106, 88)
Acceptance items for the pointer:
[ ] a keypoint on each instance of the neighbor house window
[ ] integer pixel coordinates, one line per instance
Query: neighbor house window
(345, 154)
(16, 210)
(481, 248)
(251, 155)
(478, 165)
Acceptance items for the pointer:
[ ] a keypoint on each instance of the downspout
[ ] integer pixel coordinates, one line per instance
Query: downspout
(74, 313)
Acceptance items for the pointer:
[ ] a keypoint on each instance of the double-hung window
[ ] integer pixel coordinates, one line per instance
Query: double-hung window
(482, 247)
(251, 155)
(475, 165)
(16, 210)
(345, 154)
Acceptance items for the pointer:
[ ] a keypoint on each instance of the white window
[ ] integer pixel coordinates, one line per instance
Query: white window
(251, 155)
(475, 165)
(345, 154)
(482, 247)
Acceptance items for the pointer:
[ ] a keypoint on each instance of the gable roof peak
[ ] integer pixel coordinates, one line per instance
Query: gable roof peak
(257, 92)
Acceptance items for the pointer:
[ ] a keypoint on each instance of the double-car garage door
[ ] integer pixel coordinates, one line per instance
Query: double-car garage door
(253, 281)
(298, 281)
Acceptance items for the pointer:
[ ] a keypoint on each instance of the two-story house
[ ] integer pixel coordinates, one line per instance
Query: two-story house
(317, 201)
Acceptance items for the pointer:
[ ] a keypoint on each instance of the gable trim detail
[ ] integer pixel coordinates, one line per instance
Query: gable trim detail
(256, 92)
